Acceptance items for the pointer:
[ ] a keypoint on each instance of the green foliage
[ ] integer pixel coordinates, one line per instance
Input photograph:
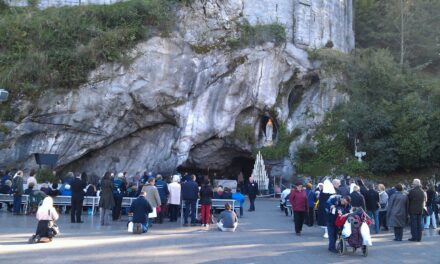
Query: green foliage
(280, 149)
(58, 47)
(251, 36)
(331, 60)
(378, 24)
(244, 133)
(393, 114)
(4, 129)
(3, 6)
(46, 175)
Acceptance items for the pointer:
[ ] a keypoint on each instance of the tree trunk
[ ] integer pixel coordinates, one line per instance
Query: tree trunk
(402, 32)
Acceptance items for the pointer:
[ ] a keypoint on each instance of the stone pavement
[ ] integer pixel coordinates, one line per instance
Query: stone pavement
(263, 236)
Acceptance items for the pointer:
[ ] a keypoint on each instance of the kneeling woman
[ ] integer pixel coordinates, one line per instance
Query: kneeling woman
(46, 216)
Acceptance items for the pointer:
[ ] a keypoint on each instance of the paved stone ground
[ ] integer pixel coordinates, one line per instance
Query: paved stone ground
(264, 236)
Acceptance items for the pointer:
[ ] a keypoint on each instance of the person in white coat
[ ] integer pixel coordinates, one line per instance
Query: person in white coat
(46, 215)
(174, 189)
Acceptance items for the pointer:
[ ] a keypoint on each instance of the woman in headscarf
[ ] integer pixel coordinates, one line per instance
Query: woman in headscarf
(327, 190)
(46, 215)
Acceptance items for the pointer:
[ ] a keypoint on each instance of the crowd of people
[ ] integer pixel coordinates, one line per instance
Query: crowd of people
(394, 207)
(322, 204)
(155, 194)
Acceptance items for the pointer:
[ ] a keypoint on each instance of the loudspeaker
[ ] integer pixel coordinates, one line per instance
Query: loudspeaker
(46, 159)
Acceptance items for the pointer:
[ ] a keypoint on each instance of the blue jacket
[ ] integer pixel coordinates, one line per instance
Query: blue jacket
(162, 188)
(335, 200)
(239, 198)
(311, 198)
(4, 179)
(64, 191)
(140, 209)
(190, 190)
(119, 187)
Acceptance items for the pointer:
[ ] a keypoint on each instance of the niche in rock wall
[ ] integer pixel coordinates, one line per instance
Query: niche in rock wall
(295, 97)
(263, 124)
(218, 159)
(296, 94)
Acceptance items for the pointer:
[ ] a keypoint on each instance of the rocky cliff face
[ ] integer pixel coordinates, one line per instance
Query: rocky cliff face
(174, 107)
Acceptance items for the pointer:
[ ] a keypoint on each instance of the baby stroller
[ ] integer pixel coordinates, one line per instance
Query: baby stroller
(352, 238)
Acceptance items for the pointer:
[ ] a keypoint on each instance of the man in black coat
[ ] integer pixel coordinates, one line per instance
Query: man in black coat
(252, 193)
(140, 208)
(372, 204)
(77, 188)
(357, 199)
(416, 201)
(190, 194)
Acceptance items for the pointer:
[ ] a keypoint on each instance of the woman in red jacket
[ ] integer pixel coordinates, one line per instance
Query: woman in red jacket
(298, 200)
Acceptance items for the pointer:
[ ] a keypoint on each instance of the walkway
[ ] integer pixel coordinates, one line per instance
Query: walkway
(264, 236)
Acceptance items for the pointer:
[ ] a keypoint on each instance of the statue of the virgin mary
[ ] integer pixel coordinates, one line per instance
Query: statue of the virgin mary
(269, 133)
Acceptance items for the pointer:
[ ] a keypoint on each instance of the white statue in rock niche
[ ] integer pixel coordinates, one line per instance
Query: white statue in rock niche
(269, 133)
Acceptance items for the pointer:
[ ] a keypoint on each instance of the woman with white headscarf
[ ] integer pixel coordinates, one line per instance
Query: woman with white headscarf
(46, 215)
(327, 190)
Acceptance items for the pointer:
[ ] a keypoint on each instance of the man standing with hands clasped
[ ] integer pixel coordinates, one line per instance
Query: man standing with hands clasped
(252, 193)
(77, 188)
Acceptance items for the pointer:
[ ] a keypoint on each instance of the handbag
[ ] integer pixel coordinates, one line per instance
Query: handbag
(53, 230)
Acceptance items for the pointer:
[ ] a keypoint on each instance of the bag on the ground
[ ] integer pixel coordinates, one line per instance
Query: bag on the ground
(153, 214)
(130, 227)
(346, 231)
(366, 237)
(137, 228)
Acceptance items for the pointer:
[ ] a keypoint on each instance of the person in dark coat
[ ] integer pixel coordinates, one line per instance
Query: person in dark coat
(54, 192)
(119, 190)
(190, 194)
(431, 206)
(327, 190)
(372, 204)
(397, 212)
(140, 208)
(206, 202)
(227, 194)
(252, 193)
(357, 199)
(311, 199)
(416, 203)
(362, 186)
(106, 202)
(343, 189)
(77, 188)
(298, 201)
(162, 188)
(17, 191)
(6, 189)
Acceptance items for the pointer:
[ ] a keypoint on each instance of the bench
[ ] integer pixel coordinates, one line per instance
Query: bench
(216, 204)
(9, 198)
(92, 201)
